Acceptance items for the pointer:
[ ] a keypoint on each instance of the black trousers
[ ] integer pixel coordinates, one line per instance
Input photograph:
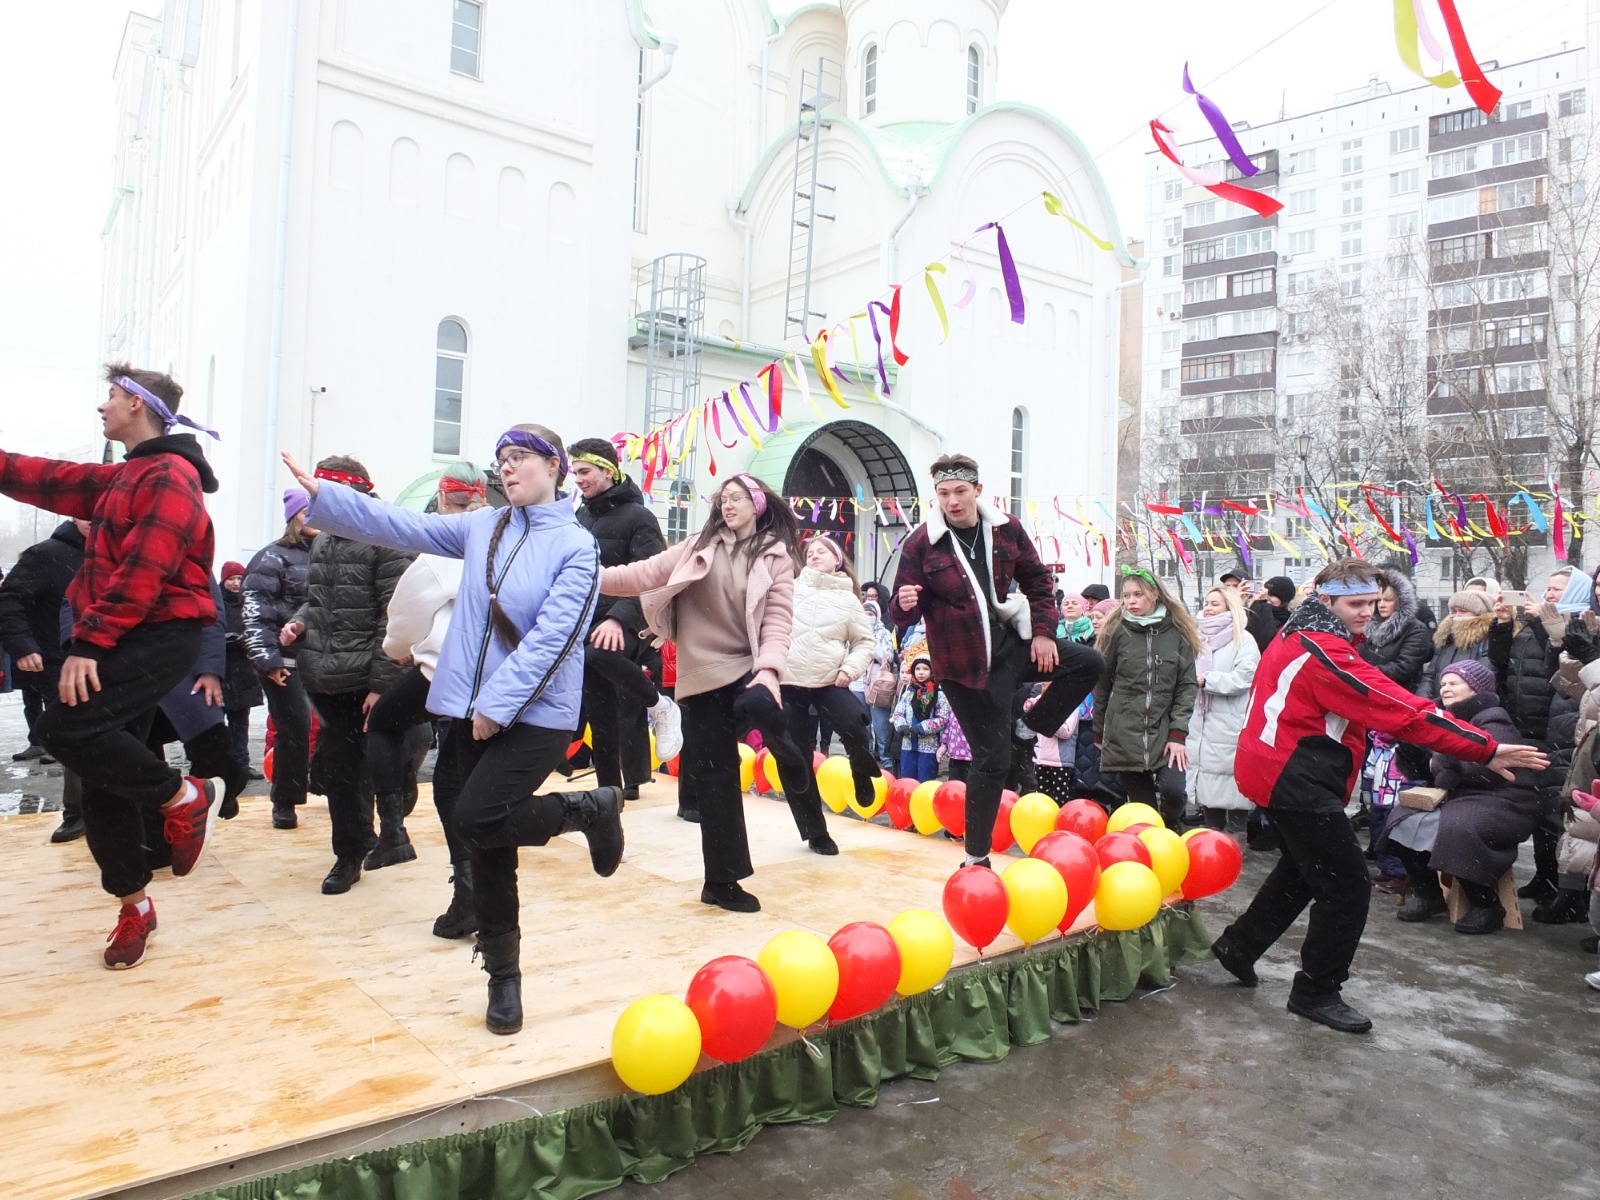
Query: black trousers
(342, 751)
(847, 714)
(102, 741)
(496, 810)
(239, 735)
(985, 716)
(291, 747)
(708, 775)
(398, 711)
(35, 697)
(1164, 789)
(616, 691)
(1322, 865)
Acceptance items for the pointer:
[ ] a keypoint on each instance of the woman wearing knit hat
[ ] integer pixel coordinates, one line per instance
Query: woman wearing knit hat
(241, 688)
(1474, 833)
(1463, 634)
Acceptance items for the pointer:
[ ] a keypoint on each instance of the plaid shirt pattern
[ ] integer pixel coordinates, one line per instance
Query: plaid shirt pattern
(954, 614)
(150, 546)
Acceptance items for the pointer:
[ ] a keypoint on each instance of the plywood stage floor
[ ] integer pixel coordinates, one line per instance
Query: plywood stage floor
(271, 1025)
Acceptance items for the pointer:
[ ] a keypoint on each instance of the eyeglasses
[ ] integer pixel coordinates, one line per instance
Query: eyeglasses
(515, 458)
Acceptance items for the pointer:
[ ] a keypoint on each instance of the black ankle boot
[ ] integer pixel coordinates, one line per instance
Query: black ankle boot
(70, 829)
(284, 817)
(598, 816)
(460, 918)
(1425, 899)
(343, 877)
(501, 954)
(1569, 907)
(394, 844)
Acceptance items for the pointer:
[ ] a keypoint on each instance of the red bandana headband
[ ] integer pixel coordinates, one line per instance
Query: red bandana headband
(456, 488)
(360, 482)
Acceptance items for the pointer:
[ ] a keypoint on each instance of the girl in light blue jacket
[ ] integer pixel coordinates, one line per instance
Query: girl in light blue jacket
(510, 676)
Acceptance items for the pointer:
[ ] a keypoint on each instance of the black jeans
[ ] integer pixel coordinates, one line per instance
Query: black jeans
(845, 712)
(291, 747)
(1165, 789)
(713, 723)
(1322, 865)
(497, 811)
(985, 716)
(398, 711)
(239, 735)
(342, 751)
(35, 698)
(616, 691)
(102, 741)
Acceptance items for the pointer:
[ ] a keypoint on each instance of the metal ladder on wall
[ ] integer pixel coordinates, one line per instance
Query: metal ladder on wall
(815, 97)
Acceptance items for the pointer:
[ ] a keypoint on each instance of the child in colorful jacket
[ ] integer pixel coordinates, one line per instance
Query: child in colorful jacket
(921, 716)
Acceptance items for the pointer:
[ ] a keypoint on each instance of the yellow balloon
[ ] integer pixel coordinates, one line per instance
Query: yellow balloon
(588, 737)
(921, 806)
(1038, 896)
(655, 759)
(804, 973)
(1134, 814)
(1189, 833)
(880, 797)
(747, 767)
(1129, 896)
(656, 1044)
(836, 783)
(927, 948)
(1169, 857)
(1033, 816)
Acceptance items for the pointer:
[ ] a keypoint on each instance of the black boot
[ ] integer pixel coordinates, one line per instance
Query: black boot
(346, 872)
(1425, 898)
(1543, 886)
(70, 829)
(1570, 906)
(460, 918)
(1485, 914)
(501, 959)
(394, 844)
(284, 817)
(598, 816)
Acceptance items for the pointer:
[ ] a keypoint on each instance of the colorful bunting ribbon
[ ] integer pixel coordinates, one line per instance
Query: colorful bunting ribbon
(1259, 203)
(1221, 127)
(1411, 30)
(1053, 206)
(1008, 272)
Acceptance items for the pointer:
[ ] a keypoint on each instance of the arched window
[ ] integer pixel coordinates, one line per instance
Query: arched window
(449, 386)
(869, 81)
(974, 77)
(678, 510)
(1019, 437)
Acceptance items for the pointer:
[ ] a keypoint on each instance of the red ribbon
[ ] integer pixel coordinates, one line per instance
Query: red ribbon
(900, 357)
(1259, 203)
(1484, 94)
(1247, 509)
(360, 482)
(774, 374)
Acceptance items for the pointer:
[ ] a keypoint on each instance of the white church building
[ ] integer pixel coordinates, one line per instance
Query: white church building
(391, 228)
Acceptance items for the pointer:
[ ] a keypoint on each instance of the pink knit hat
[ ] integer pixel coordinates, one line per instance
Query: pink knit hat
(1104, 606)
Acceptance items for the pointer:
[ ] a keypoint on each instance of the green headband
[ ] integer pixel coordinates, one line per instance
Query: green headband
(605, 464)
(1140, 573)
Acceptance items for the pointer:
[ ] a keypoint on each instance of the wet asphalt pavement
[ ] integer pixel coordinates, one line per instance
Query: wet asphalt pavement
(1481, 1079)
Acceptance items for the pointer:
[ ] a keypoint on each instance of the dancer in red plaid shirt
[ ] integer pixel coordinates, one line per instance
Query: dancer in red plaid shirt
(139, 602)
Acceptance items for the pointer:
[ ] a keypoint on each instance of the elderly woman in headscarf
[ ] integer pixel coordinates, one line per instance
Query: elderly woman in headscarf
(1462, 635)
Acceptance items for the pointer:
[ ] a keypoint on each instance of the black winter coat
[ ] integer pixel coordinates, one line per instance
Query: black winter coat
(31, 598)
(1524, 664)
(1399, 645)
(627, 532)
(1264, 621)
(241, 686)
(274, 590)
(348, 586)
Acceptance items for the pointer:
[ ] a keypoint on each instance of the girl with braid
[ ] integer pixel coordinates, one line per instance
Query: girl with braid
(509, 676)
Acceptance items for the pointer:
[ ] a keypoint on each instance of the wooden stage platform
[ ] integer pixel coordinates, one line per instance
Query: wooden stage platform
(272, 1026)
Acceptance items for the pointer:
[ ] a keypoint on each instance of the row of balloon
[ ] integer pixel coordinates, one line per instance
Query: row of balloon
(734, 1004)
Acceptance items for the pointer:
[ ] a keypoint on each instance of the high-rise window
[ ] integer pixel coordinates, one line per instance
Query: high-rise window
(449, 386)
(1019, 439)
(1401, 140)
(1350, 157)
(974, 78)
(869, 81)
(466, 38)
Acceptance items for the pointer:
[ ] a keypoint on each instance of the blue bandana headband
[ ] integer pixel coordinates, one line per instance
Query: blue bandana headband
(1349, 587)
(158, 406)
(530, 441)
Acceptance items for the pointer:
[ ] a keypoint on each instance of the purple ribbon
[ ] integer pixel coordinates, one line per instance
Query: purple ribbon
(1244, 546)
(1220, 126)
(1008, 271)
(530, 441)
(755, 419)
(877, 338)
(1411, 545)
(158, 406)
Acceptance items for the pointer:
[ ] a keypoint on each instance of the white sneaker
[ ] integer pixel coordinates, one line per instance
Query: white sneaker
(668, 724)
(1593, 980)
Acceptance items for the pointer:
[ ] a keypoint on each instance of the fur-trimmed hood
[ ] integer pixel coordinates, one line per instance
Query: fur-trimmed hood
(1383, 630)
(1462, 632)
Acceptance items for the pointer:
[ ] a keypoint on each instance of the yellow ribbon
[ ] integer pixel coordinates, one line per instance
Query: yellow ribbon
(819, 355)
(1053, 206)
(1408, 40)
(928, 273)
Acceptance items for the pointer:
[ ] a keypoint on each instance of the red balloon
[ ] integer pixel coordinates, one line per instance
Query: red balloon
(1121, 847)
(1079, 865)
(976, 905)
(950, 806)
(736, 1005)
(672, 766)
(1003, 839)
(266, 766)
(898, 805)
(817, 759)
(869, 969)
(1214, 863)
(763, 785)
(575, 747)
(1084, 818)
(1136, 830)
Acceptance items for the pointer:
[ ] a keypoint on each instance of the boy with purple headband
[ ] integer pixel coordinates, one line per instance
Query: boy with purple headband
(139, 602)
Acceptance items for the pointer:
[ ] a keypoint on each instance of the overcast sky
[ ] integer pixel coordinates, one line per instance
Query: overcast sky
(1105, 69)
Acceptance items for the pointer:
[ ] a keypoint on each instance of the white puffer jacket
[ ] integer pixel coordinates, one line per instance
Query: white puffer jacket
(831, 632)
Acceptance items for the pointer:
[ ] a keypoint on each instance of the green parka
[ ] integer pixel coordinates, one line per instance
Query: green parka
(1145, 696)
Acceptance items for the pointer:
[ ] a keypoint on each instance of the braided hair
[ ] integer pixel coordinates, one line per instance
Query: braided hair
(505, 629)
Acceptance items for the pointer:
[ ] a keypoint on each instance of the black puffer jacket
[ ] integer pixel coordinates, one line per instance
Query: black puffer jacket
(628, 532)
(1399, 645)
(1265, 621)
(1524, 663)
(274, 590)
(241, 686)
(348, 586)
(31, 596)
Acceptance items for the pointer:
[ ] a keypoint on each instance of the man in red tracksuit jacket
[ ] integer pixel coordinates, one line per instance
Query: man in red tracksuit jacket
(139, 602)
(1312, 704)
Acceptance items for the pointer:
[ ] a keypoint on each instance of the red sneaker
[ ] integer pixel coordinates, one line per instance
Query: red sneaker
(125, 946)
(188, 824)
